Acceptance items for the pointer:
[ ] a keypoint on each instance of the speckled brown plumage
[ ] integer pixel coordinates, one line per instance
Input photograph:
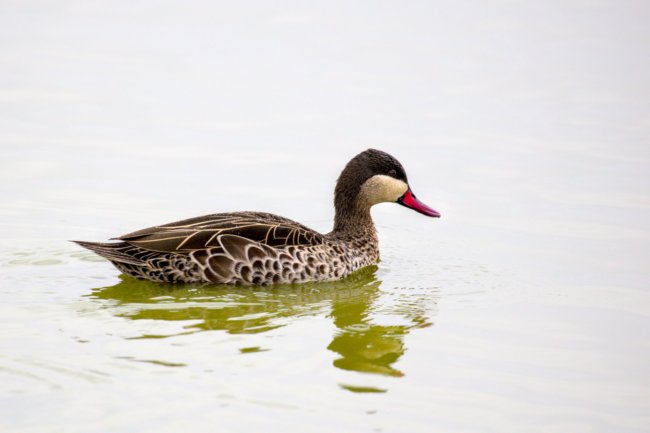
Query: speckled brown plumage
(261, 248)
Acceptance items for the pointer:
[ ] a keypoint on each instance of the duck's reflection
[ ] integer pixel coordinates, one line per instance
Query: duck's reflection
(363, 345)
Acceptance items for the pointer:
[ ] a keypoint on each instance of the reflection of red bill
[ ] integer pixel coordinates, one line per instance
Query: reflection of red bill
(409, 200)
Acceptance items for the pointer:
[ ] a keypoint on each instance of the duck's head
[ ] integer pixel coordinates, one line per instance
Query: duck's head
(374, 177)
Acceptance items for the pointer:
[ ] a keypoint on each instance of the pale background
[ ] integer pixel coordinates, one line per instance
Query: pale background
(526, 124)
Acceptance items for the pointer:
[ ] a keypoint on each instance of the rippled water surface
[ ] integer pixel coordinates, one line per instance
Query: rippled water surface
(526, 307)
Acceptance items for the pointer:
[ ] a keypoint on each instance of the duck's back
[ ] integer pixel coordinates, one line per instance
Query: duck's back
(183, 237)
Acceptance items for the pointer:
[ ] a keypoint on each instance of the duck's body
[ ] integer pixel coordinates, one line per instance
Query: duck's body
(238, 248)
(262, 248)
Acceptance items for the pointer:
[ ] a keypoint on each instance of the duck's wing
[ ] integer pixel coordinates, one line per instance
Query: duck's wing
(204, 232)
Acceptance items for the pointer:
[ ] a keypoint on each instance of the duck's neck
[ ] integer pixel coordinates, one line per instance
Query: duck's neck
(354, 221)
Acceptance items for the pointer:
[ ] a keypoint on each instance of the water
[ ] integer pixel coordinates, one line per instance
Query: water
(526, 307)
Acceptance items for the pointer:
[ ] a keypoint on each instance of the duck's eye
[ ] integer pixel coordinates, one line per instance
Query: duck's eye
(392, 172)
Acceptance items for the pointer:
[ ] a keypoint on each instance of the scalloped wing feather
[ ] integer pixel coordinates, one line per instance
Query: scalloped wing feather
(241, 260)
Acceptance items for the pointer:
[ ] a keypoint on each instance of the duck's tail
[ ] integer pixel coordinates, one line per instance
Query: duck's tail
(113, 251)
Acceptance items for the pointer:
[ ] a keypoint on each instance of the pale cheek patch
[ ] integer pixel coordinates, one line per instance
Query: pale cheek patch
(381, 188)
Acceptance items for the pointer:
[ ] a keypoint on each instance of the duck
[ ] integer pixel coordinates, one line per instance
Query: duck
(258, 248)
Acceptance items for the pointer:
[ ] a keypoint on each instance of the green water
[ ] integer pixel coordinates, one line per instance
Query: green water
(359, 344)
(525, 308)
